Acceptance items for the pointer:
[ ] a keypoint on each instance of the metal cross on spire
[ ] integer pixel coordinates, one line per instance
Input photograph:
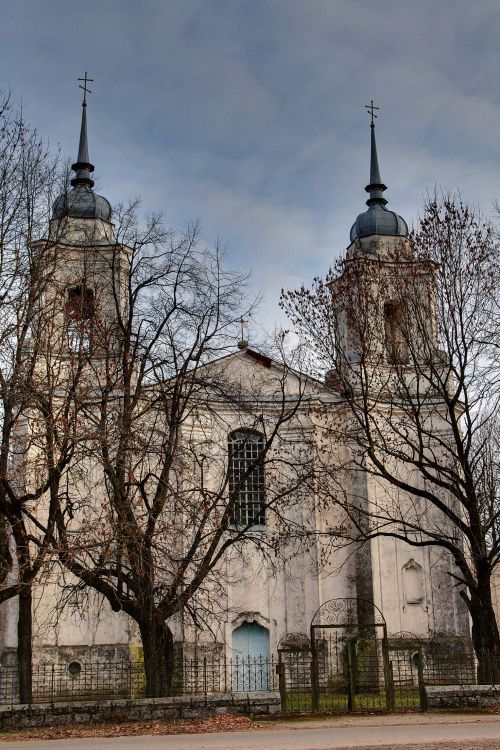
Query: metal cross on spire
(84, 87)
(371, 110)
(82, 166)
(242, 322)
(243, 343)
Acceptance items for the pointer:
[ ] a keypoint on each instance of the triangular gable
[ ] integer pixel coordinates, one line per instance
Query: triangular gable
(258, 373)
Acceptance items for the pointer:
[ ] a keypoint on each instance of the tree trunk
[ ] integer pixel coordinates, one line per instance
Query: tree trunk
(158, 648)
(24, 645)
(485, 635)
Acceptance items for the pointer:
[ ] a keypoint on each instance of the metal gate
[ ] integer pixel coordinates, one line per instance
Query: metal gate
(406, 664)
(294, 673)
(349, 663)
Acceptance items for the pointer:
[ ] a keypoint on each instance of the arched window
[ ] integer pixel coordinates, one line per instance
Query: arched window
(397, 348)
(80, 309)
(246, 478)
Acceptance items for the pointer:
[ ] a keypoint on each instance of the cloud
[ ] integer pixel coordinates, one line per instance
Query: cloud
(249, 114)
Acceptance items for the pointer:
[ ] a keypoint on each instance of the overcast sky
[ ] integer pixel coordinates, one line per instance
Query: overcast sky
(249, 114)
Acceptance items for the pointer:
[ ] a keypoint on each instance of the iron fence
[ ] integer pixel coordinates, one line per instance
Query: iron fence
(217, 674)
(123, 679)
(444, 660)
(353, 673)
(76, 682)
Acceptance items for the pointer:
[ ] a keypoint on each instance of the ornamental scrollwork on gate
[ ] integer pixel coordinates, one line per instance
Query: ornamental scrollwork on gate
(345, 613)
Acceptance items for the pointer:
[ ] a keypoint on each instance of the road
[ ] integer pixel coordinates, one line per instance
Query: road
(416, 732)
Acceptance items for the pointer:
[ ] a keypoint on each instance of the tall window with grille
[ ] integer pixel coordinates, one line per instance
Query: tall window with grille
(247, 479)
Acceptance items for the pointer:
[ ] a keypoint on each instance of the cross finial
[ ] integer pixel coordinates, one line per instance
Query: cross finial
(242, 322)
(371, 110)
(242, 343)
(84, 87)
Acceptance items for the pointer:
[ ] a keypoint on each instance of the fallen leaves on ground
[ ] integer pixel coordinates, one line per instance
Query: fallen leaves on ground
(223, 723)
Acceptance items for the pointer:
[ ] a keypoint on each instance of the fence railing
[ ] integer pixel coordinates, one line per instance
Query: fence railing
(217, 674)
(349, 676)
(366, 674)
(122, 679)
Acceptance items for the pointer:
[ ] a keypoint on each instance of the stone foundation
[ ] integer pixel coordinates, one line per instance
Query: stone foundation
(147, 709)
(469, 696)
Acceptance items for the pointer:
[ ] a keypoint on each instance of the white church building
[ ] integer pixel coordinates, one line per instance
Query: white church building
(262, 600)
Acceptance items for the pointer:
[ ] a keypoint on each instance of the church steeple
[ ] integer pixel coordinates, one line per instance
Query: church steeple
(82, 166)
(377, 219)
(82, 202)
(376, 186)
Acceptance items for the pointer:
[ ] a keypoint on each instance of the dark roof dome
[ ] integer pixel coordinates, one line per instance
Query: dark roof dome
(81, 203)
(377, 219)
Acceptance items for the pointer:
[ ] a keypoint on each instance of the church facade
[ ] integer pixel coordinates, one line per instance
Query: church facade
(259, 600)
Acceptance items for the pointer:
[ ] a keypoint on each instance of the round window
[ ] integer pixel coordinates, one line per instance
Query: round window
(415, 658)
(75, 668)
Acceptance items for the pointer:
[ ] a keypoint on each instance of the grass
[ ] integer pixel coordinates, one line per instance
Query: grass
(338, 703)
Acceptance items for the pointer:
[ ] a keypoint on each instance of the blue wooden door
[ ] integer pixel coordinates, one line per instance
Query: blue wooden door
(250, 657)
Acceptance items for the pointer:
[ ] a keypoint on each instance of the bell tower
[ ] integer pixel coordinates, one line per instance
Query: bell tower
(385, 292)
(383, 310)
(89, 268)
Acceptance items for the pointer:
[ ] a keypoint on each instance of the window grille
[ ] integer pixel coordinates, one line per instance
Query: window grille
(246, 479)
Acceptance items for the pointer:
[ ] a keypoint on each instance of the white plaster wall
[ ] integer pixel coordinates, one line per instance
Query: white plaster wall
(281, 595)
(85, 620)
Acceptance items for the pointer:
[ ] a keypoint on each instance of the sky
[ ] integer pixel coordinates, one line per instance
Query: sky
(248, 115)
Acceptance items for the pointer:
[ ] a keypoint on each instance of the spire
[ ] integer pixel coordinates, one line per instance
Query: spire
(377, 219)
(376, 186)
(82, 166)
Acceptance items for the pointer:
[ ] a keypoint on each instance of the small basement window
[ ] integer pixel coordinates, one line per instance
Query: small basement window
(75, 668)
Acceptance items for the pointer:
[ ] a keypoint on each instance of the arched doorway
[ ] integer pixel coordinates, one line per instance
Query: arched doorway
(250, 657)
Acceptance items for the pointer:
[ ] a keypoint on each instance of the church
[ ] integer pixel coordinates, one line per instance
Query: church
(255, 595)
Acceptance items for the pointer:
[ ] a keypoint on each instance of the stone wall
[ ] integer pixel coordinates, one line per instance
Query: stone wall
(469, 696)
(146, 709)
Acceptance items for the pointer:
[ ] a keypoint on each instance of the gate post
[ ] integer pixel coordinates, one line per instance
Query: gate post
(314, 675)
(280, 669)
(422, 694)
(390, 699)
(351, 697)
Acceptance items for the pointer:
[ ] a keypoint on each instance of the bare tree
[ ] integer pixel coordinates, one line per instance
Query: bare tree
(37, 432)
(155, 509)
(408, 332)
